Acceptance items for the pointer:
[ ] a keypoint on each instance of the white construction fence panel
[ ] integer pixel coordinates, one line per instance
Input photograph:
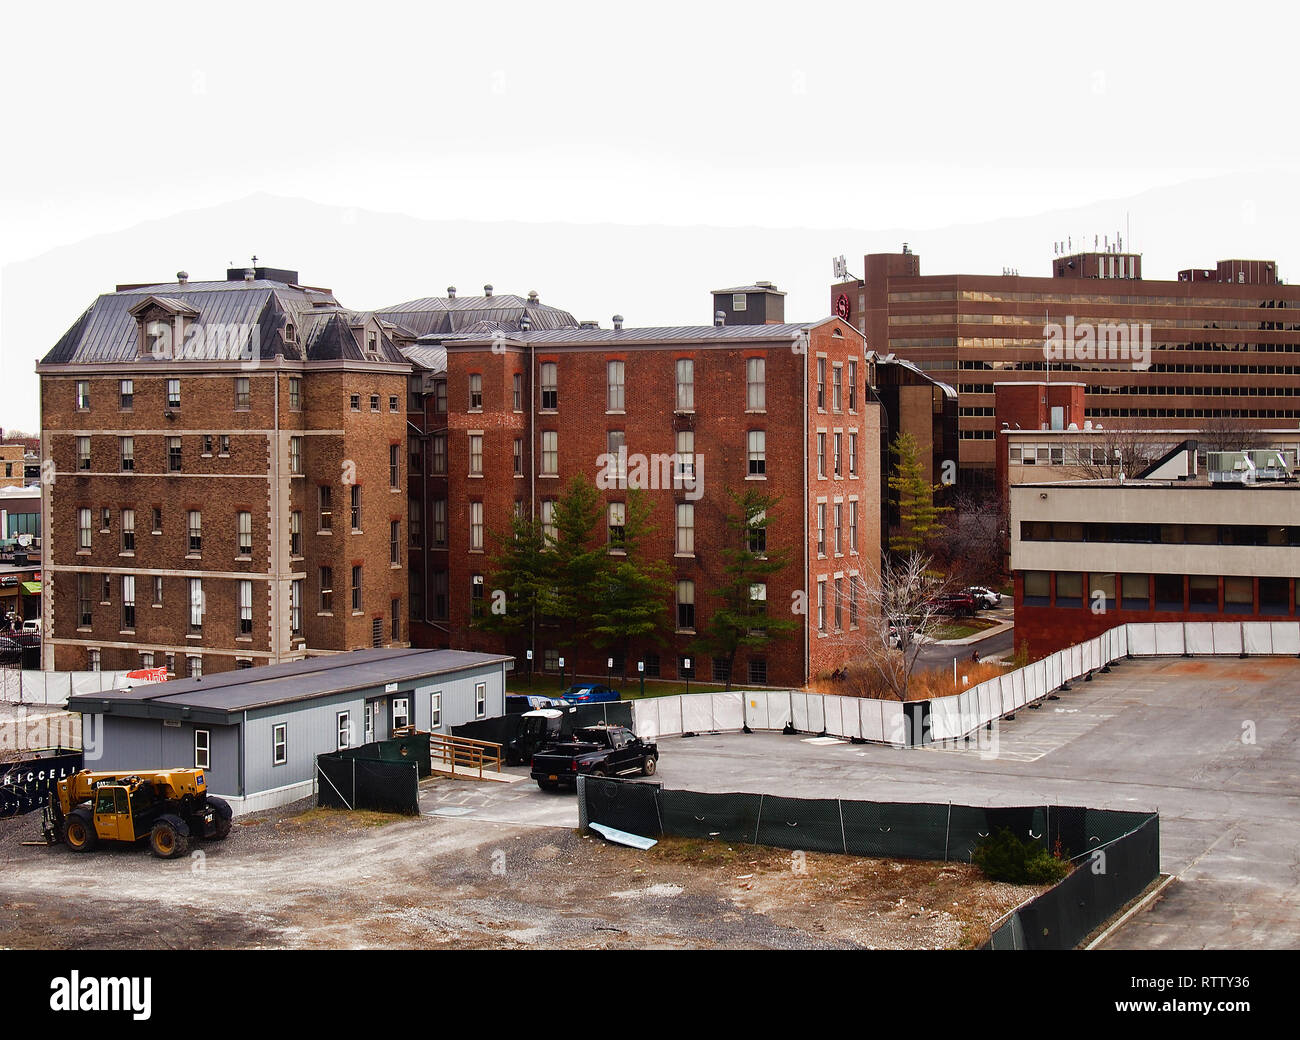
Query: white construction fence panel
(1286, 637)
(1226, 637)
(697, 712)
(833, 713)
(1257, 637)
(728, 710)
(1141, 640)
(1169, 638)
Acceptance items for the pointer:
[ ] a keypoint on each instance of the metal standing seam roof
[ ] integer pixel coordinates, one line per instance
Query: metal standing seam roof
(579, 337)
(269, 685)
(107, 333)
(442, 314)
(427, 355)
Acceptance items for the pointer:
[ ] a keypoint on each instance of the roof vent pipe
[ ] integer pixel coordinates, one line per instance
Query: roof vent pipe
(451, 292)
(183, 277)
(525, 323)
(533, 297)
(487, 289)
(249, 274)
(719, 318)
(618, 322)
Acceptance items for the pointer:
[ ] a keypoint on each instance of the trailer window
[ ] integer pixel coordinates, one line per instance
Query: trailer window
(202, 758)
(279, 744)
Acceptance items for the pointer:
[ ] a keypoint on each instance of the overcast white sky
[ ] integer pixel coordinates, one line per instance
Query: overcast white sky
(776, 114)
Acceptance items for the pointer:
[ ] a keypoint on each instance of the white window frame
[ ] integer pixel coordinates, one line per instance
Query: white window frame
(280, 744)
(203, 749)
(401, 710)
(480, 700)
(756, 384)
(685, 386)
(342, 730)
(435, 709)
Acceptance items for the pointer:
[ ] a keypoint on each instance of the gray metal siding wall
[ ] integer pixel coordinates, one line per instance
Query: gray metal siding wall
(147, 744)
(311, 731)
(458, 697)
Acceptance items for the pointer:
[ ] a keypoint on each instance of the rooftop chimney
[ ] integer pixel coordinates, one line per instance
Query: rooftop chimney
(451, 292)
(487, 290)
(618, 322)
(588, 324)
(183, 277)
(719, 318)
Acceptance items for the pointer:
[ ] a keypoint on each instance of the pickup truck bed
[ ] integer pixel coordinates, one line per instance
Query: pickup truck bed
(594, 751)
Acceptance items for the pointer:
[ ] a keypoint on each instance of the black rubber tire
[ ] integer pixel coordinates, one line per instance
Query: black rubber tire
(649, 765)
(79, 832)
(548, 785)
(167, 842)
(598, 771)
(222, 815)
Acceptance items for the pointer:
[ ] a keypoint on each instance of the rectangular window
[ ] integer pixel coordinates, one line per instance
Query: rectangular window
(244, 533)
(853, 601)
(343, 729)
(207, 445)
(83, 395)
(326, 507)
(821, 454)
(157, 520)
(1069, 589)
(295, 607)
(355, 507)
(550, 453)
(821, 528)
(83, 453)
(440, 523)
(1136, 592)
(685, 455)
(614, 373)
(295, 533)
(394, 465)
(476, 526)
(195, 531)
(401, 712)
(476, 392)
(758, 671)
(756, 383)
(1202, 593)
(356, 588)
(476, 595)
(517, 391)
(93, 659)
(549, 531)
(757, 453)
(174, 457)
(295, 393)
(194, 666)
(157, 590)
(392, 402)
(758, 534)
(837, 387)
(243, 396)
(126, 446)
(1239, 595)
(83, 528)
(852, 381)
(617, 524)
(126, 389)
(550, 386)
(615, 447)
(245, 608)
(438, 454)
(480, 700)
(685, 385)
(821, 604)
(686, 528)
(435, 709)
(295, 454)
(440, 397)
(396, 615)
(838, 442)
(853, 525)
(196, 606)
(374, 402)
(853, 454)
(202, 748)
(354, 402)
(395, 542)
(1037, 589)
(128, 530)
(105, 519)
(327, 590)
(476, 454)
(519, 457)
(279, 744)
(839, 604)
(821, 384)
(1169, 592)
(686, 606)
(85, 592)
(839, 511)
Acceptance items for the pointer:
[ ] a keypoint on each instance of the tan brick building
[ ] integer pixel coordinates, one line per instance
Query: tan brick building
(229, 478)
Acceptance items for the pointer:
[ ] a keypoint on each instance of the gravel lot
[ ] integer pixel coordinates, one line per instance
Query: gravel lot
(304, 878)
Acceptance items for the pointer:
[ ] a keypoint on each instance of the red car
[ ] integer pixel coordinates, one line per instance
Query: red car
(957, 604)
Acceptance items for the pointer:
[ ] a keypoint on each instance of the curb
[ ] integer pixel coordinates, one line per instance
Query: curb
(1006, 626)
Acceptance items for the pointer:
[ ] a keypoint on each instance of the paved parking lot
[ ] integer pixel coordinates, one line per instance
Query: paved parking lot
(1209, 743)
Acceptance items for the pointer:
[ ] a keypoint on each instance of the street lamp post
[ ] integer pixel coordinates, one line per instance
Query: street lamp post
(640, 667)
(561, 675)
(530, 669)
(686, 667)
(609, 670)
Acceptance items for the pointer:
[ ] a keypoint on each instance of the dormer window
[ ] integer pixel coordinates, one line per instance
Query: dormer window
(161, 326)
(290, 333)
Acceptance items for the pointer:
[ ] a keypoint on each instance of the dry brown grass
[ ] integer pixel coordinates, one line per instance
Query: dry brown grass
(862, 681)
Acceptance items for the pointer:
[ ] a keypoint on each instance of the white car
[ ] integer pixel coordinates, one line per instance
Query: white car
(984, 598)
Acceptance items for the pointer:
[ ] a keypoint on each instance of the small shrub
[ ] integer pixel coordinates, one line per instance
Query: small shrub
(1004, 857)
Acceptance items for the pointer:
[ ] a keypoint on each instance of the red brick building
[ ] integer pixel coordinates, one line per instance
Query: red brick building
(229, 484)
(1221, 345)
(784, 407)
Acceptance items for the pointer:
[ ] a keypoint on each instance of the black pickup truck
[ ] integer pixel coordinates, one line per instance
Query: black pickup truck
(594, 751)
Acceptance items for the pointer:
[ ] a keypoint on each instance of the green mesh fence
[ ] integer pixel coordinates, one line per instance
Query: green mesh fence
(1116, 853)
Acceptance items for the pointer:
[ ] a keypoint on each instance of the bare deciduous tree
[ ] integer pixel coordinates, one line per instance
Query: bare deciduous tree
(971, 550)
(1113, 452)
(1229, 433)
